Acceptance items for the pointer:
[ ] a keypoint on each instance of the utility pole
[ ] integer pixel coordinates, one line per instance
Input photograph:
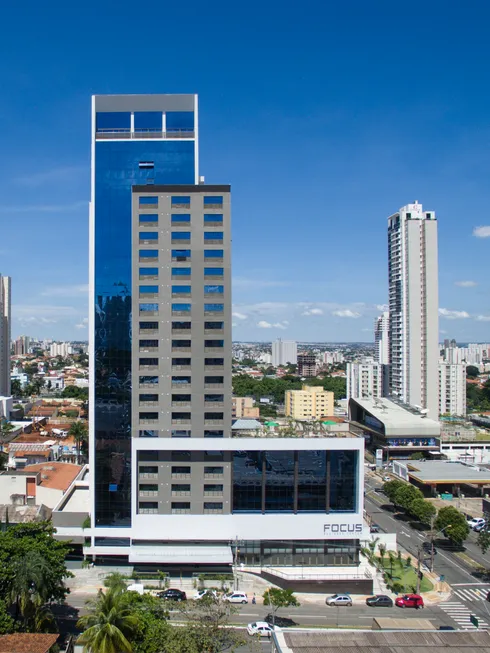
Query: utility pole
(419, 555)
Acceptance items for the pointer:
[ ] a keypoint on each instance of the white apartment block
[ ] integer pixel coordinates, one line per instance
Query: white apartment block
(5, 336)
(333, 357)
(382, 338)
(364, 380)
(452, 389)
(283, 352)
(63, 349)
(413, 307)
(473, 354)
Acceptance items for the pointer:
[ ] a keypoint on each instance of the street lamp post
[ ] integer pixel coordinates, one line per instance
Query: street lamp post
(432, 538)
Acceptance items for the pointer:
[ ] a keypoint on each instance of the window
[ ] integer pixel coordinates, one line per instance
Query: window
(213, 253)
(179, 121)
(181, 487)
(148, 253)
(213, 487)
(181, 272)
(212, 506)
(214, 416)
(180, 433)
(112, 541)
(213, 379)
(148, 487)
(148, 455)
(181, 470)
(147, 397)
(312, 481)
(180, 455)
(181, 343)
(148, 290)
(181, 506)
(213, 470)
(181, 380)
(148, 507)
(180, 217)
(210, 201)
(213, 433)
(148, 362)
(181, 361)
(214, 343)
(149, 217)
(147, 202)
(182, 416)
(213, 272)
(214, 308)
(148, 272)
(181, 308)
(181, 235)
(184, 398)
(213, 325)
(279, 481)
(213, 361)
(151, 416)
(215, 398)
(113, 121)
(148, 433)
(247, 481)
(153, 380)
(213, 217)
(146, 165)
(147, 121)
(148, 343)
(213, 235)
(181, 202)
(144, 469)
(343, 481)
(148, 235)
(181, 290)
(181, 254)
(148, 308)
(181, 325)
(218, 290)
(148, 326)
(218, 455)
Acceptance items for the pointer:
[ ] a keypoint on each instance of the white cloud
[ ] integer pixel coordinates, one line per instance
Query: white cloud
(453, 315)
(442, 331)
(36, 320)
(54, 175)
(482, 232)
(242, 282)
(240, 316)
(382, 307)
(346, 313)
(80, 326)
(22, 311)
(483, 318)
(312, 311)
(465, 284)
(267, 325)
(65, 291)
(43, 208)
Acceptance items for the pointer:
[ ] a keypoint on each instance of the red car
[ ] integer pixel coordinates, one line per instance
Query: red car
(410, 601)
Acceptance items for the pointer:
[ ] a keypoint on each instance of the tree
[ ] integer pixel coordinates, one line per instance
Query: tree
(454, 525)
(109, 626)
(423, 510)
(277, 598)
(115, 582)
(418, 455)
(74, 392)
(153, 633)
(29, 584)
(16, 388)
(6, 429)
(80, 433)
(472, 371)
(483, 540)
(390, 488)
(406, 495)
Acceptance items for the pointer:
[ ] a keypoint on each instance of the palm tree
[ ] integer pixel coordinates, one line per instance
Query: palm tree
(109, 626)
(29, 586)
(115, 582)
(79, 431)
(6, 429)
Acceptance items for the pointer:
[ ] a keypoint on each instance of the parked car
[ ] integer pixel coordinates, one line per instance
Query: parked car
(446, 628)
(386, 479)
(410, 601)
(200, 593)
(379, 601)
(236, 597)
(480, 527)
(427, 547)
(339, 599)
(379, 490)
(260, 628)
(488, 596)
(374, 528)
(173, 595)
(476, 521)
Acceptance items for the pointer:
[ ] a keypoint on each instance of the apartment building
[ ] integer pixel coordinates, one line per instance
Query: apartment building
(413, 307)
(452, 389)
(307, 366)
(244, 407)
(283, 352)
(311, 402)
(5, 323)
(364, 380)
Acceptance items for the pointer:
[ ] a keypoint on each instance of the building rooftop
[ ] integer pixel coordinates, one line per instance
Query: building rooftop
(378, 641)
(397, 420)
(441, 471)
(27, 642)
(244, 424)
(56, 476)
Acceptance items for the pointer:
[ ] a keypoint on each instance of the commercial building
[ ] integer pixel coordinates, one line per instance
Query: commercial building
(284, 352)
(364, 380)
(5, 322)
(307, 365)
(170, 485)
(452, 389)
(437, 476)
(311, 402)
(413, 307)
(244, 407)
(398, 431)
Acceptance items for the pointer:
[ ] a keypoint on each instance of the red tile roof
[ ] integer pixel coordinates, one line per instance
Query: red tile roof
(27, 642)
(57, 476)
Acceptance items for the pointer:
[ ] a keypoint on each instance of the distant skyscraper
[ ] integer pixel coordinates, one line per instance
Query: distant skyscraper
(413, 303)
(283, 352)
(452, 389)
(21, 345)
(4, 336)
(382, 351)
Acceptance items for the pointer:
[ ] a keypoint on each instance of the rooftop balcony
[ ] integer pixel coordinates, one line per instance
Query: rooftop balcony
(126, 134)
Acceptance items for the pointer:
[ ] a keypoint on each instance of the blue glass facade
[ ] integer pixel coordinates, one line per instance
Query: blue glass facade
(117, 169)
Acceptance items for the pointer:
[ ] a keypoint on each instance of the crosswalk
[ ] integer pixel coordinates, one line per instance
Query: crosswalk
(472, 594)
(460, 613)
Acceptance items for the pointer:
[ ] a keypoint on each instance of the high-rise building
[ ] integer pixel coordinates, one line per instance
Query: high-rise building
(382, 350)
(283, 352)
(307, 365)
(364, 380)
(63, 349)
(22, 345)
(5, 302)
(452, 389)
(413, 307)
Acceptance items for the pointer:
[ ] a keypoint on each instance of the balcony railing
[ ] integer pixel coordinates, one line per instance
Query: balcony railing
(126, 134)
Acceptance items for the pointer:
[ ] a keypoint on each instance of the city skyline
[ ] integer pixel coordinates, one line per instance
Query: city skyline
(366, 139)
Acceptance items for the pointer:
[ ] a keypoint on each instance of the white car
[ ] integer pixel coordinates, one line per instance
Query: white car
(236, 597)
(260, 628)
(200, 593)
(339, 599)
(476, 521)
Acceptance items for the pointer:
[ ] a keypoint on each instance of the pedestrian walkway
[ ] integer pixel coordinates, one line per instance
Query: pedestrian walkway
(460, 613)
(472, 594)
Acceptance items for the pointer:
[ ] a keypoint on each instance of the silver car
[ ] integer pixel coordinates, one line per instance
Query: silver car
(339, 599)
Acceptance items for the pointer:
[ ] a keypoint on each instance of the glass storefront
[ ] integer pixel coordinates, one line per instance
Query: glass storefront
(307, 553)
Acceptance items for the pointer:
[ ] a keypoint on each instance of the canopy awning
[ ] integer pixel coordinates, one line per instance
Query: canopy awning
(181, 554)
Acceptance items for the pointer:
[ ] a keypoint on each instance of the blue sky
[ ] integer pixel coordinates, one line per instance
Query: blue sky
(324, 116)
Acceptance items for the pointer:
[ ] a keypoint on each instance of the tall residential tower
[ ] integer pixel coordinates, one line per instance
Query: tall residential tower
(4, 336)
(413, 304)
